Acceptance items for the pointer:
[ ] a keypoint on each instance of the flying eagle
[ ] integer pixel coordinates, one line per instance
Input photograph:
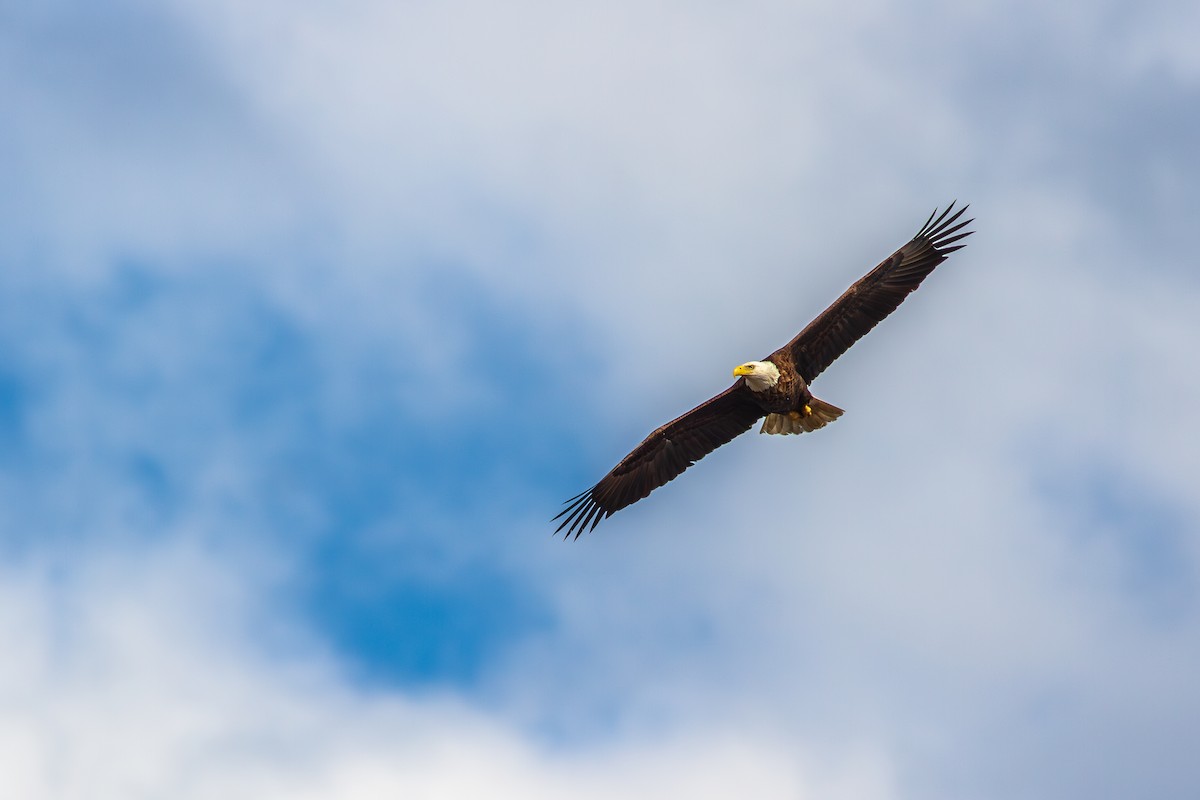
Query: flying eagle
(776, 387)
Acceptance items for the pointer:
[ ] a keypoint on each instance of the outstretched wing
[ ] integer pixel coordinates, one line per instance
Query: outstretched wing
(663, 456)
(876, 294)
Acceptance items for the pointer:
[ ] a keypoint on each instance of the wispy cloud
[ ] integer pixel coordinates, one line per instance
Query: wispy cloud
(311, 314)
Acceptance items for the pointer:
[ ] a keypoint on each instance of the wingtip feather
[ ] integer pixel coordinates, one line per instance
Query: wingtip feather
(583, 513)
(939, 228)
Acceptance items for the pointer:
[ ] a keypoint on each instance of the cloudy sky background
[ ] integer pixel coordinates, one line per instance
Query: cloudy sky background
(311, 314)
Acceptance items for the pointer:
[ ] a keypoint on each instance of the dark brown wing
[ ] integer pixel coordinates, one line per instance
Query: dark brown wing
(663, 456)
(876, 295)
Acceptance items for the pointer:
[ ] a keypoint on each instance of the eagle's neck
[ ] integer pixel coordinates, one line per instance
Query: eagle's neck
(765, 376)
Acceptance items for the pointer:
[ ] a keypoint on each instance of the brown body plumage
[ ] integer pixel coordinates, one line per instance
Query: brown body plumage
(788, 404)
(790, 393)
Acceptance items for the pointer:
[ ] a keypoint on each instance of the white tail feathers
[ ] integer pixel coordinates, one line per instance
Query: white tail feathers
(817, 415)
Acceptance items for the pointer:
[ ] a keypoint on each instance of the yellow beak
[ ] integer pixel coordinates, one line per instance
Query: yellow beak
(744, 369)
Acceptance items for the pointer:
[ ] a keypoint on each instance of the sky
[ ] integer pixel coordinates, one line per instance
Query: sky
(313, 313)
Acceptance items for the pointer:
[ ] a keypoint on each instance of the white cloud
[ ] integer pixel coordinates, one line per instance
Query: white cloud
(147, 674)
(915, 618)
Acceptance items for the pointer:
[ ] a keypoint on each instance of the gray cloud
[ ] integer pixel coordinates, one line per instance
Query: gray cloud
(979, 583)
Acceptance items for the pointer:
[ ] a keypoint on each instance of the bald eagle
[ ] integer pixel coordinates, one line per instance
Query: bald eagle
(777, 386)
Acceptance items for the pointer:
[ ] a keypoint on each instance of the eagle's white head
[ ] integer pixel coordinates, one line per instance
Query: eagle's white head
(759, 375)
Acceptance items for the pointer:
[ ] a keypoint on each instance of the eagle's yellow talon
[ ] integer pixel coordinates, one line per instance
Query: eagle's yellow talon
(807, 410)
